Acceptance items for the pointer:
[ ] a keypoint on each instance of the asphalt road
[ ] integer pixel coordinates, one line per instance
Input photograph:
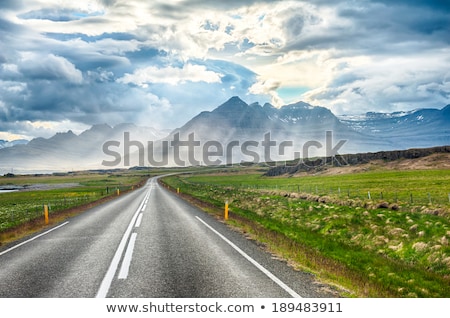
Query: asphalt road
(147, 243)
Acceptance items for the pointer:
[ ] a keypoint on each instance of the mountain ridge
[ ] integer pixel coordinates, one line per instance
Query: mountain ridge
(236, 121)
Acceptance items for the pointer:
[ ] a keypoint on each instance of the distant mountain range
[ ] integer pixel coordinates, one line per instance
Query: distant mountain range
(413, 129)
(306, 127)
(233, 132)
(6, 143)
(67, 151)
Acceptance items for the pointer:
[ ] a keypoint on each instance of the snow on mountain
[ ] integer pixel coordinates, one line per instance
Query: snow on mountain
(233, 132)
(417, 128)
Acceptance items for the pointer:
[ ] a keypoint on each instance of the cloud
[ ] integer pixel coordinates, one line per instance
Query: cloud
(164, 62)
(268, 87)
(171, 75)
(10, 4)
(49, 67)
(58, 15)
(46, 129)
(393, 84)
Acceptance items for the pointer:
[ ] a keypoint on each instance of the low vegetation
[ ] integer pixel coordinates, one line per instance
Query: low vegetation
(382, 244)
(22, 211)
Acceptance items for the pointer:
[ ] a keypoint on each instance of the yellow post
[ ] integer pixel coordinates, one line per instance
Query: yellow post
(118, 192)
(46, 214)
(226, 210)
(178, 190)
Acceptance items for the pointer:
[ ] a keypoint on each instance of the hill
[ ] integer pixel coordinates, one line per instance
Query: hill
(418, 158)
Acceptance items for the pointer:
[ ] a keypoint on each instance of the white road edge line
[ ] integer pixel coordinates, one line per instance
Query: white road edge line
(33, 238)
(251, 260)
(124, 269)
(109, 276)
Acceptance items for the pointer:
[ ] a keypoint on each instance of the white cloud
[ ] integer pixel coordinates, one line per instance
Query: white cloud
(29, 129)
(384, 83)
(374, 55)
(50, 67)
(267, 87)
(171, 75)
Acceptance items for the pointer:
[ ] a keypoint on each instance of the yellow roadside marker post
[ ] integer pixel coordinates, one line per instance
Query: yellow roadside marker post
(226, 210)
(46, 214)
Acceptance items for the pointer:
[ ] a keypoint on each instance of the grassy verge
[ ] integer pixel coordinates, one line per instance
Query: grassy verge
(21, 212)
(409, 189)
(374, 252)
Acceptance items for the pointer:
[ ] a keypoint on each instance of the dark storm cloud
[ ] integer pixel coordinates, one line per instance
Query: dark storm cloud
(377, 27)
(58, 101)
(402, 23)
(437, 5)
(65, 64)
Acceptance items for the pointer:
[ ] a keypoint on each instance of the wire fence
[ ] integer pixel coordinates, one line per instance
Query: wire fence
(29, 209)
(405, 198)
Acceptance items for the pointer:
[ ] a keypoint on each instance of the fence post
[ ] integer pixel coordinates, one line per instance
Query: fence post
(226, 211)
(46, 214)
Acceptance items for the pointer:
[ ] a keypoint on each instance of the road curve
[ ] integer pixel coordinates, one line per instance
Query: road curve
(147, 243)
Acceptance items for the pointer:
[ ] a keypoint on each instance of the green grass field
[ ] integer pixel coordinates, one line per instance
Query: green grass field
(411, 187)
(388, 245)
(84, 187)
(20, 207)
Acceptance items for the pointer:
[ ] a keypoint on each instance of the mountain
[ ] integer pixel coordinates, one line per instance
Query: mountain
(236, 131)
(414, 129)
(6, 143)
(66, 151)
(233, 132)
(235, 118)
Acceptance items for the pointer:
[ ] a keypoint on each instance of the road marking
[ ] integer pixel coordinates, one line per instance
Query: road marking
(139, 220)
(109, 276)
(144, 207)
(251, 260)
(33, 238)
(125, 268)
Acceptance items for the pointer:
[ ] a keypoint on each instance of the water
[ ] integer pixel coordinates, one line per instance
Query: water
(6, 191)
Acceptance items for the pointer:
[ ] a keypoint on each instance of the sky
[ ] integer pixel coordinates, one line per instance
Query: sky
(70, 64)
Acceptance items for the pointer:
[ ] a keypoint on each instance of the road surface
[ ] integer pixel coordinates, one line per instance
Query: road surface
(147, 243)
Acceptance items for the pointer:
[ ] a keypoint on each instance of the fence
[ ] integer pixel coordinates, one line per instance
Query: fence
(26, 210)
(407, 198)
